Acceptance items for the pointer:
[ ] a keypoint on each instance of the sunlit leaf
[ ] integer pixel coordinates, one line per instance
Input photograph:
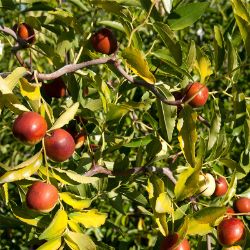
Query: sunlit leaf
(31, 91)
(88, 219)
(137, 63)
(186, 15)
(66, 117)
(187, 133)
(170, 40)
(51, 244)
(77, 202)
(56, 227)
(79, 241)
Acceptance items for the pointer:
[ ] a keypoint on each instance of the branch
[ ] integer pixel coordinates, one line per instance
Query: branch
(97, 169)
(74, 67)
(147, 85)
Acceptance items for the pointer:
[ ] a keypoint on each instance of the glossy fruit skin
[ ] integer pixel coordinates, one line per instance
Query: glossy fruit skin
(221, 186)
(230, 231)
(42, 196)
(230, 211)
(104, 41)
(200, 99)
(242, 205)
(56, 88)
(25, 31)
(208, 187)
(29, 127)
(59, 145)
(169, 243)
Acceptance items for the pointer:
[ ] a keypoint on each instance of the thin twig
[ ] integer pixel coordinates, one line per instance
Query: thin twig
(209, 246)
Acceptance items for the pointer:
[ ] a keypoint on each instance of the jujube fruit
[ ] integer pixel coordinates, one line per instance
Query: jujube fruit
(196, 94)
(221, 186)
(29, 127)
(42, 196)
(169, 243)
(230, 231)
(104, 41)
(25, 31)
(242, 205)
(55, 88)
(59, 145)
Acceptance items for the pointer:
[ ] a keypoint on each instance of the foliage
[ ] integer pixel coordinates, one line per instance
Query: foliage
(136, 179)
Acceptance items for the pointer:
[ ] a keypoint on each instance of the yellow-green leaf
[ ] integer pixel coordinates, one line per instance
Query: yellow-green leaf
(66, 117)
(26, 215)
(32, 91)
(137, 63)
(51, 244)
(203, 66)
(77, 202)
(187, 133)
(74, 226)
(195, 227)
(25, 172)
(56, 227)
(187, 183)
(12, 79)
(163, 204)
(79, 241)
(91, 218)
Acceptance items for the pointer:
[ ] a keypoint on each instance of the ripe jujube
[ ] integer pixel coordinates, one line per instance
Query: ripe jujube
(42, 196)
(169, 243)
(29, 127)
(56, 88)
(221, 186)
(104, 41)
(25, 31)
(59, 145)
(196, 94)
(242, 205)
(230, 231)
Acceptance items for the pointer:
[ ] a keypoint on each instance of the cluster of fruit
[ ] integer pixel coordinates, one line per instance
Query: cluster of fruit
(230, 231)
(30, 128)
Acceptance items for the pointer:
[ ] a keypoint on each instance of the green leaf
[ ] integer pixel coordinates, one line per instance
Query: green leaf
(77, 202)
(167, 114)
(116, 111)
(219, 48)
(171, 67)
(170, 40)
(187, 133)
(242, 17)
(186, 15)
(79, 241)
(139, 142)
(215, 126)
(187, 183)
(56, 227)
(231, 189)
(66, 117)
(209, 215)
(137, 63)
(88, 219)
